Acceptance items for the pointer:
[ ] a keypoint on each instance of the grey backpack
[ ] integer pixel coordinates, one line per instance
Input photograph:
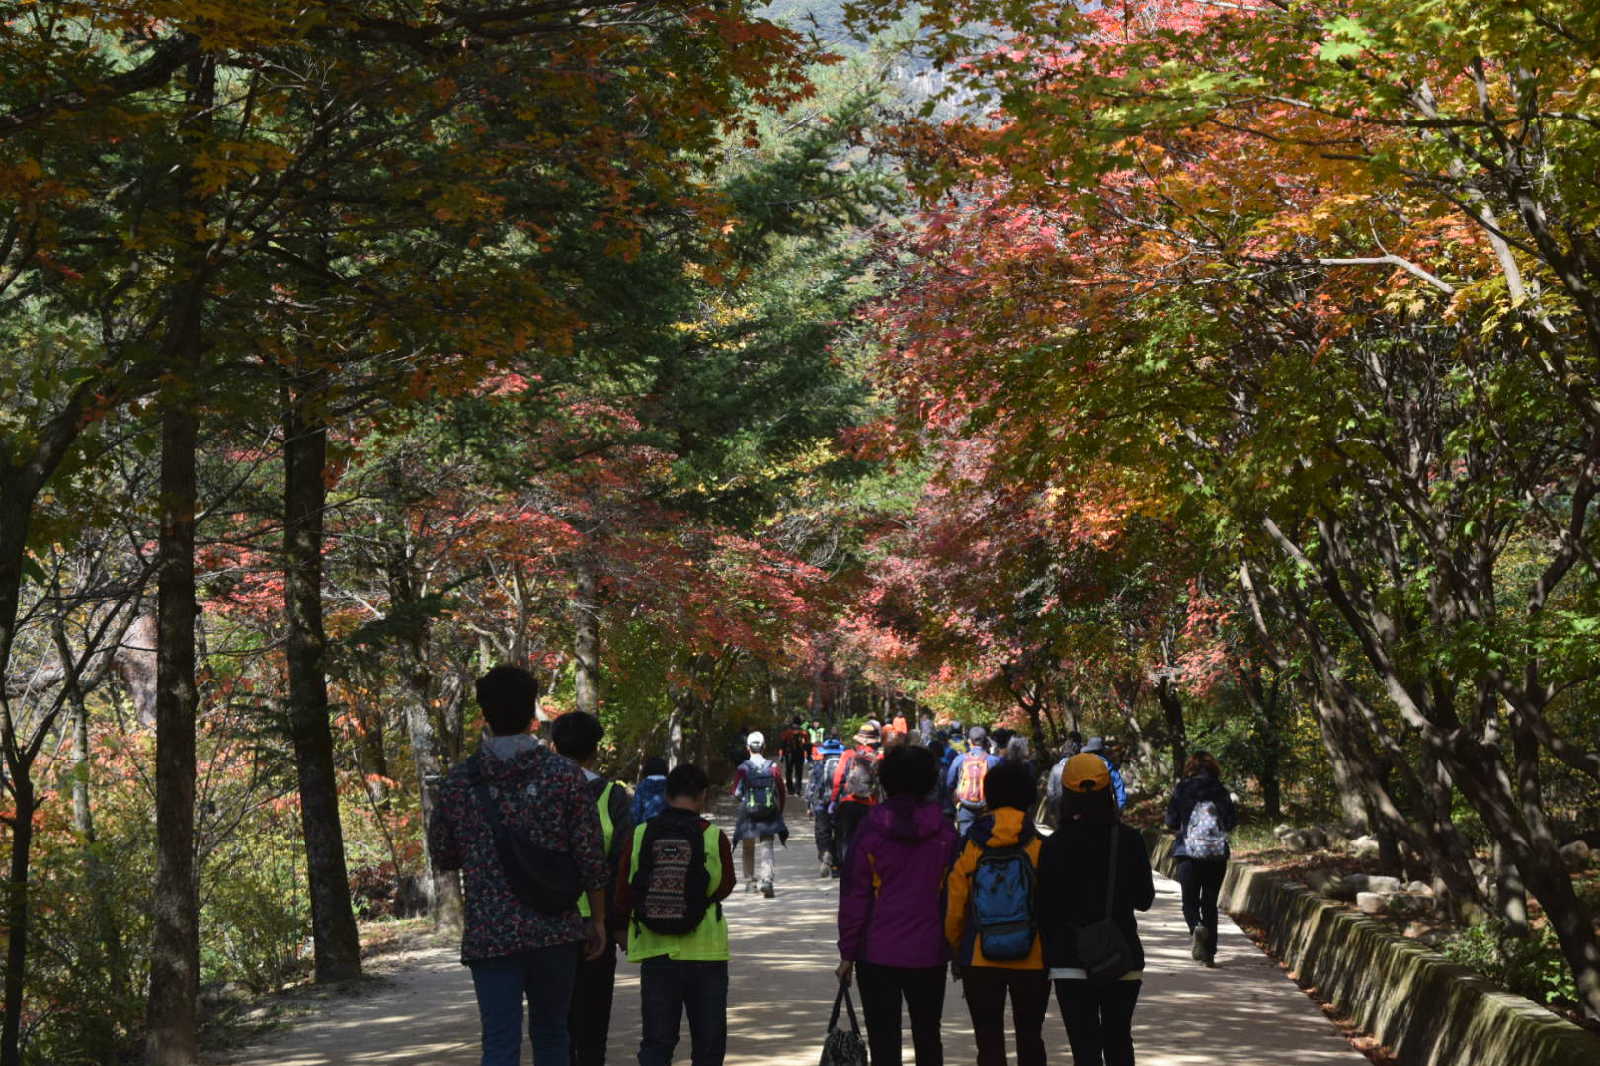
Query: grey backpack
(844, 1047)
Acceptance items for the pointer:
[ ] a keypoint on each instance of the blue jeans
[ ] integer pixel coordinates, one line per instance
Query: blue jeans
(670, 988)
(545, 976)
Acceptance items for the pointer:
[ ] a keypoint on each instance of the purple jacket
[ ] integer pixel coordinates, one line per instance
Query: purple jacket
(891, 901)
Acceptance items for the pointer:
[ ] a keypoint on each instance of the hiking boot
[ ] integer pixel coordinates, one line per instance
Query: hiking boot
(766, 889)
(827, 864)
(751, 886)
(1197, 944)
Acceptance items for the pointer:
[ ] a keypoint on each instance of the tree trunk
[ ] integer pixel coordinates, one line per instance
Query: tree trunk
(335, 939)
(1177, 732)
(175, 911)
(445, 895)
(586, 644)
(21, 787)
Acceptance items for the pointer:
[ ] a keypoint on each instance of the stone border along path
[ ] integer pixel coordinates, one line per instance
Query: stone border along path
(1245, 1011)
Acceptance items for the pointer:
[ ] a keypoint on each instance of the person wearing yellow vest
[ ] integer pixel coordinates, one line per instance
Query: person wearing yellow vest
(577, 735)
(990, 920)
(676, 870)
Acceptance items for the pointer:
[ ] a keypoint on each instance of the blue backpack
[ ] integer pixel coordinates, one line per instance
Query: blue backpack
(649, 799)
(1002, 900)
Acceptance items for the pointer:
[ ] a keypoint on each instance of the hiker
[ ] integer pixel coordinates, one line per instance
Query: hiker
(926, 728)
(576, 736)
(990, 921)
(650, 798)
(1072, 747)
(1018, 749)
(1097, 747)
(1202, 814)
(760, 794)
(855, 790)
(828, 754)
(522, 936)
(679, 869)
(1096, 989)
(890, 922)
(966, 777)
(794, 745)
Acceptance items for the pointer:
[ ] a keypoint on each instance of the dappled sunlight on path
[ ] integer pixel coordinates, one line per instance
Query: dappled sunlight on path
(1245, 1011)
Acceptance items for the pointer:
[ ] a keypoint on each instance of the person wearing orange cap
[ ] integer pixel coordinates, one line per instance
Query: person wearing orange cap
(1093, 874)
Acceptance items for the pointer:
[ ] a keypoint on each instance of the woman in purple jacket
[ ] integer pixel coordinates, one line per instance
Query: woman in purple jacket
(891, 921)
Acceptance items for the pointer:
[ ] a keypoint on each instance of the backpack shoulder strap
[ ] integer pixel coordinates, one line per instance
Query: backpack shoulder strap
(1111, 871)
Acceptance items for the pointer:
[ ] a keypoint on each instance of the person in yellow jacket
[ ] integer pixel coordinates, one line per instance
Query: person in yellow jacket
(676, 870)
(991, 922)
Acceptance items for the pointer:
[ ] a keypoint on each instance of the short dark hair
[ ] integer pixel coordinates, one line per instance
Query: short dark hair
(1009, 784)
(576, 735)
(509, 696)
(654, 766)
(1095, 806)
(687, 780)
(1075, 737)
(908, 768)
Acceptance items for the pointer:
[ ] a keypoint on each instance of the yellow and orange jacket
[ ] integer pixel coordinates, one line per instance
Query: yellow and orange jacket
(996, 829)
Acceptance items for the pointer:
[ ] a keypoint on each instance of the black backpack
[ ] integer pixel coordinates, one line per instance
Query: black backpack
(760, 799)
(544, 879)
(671, 885)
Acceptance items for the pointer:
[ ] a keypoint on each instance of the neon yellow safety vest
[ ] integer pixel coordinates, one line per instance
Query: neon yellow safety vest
(607, 829)
(709, 941)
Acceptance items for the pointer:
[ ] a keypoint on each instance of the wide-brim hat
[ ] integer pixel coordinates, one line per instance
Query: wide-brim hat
(867, 734)
(1085, 773)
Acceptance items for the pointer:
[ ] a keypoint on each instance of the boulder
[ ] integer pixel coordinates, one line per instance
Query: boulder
(1420, 888)
(1364, 847)
(1282, 831)
(1577, 855)
(1406, 905)
(1339, 888)
(1372, 883)
(1372, 902)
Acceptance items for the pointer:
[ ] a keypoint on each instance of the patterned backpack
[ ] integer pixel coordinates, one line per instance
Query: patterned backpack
(1204, 837)
(671, 884)
(969, 786)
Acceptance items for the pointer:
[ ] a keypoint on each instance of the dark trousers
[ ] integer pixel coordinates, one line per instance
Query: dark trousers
(543, 979)
(1201, 881)
(882, 988)
(847, 818)
(794, 773)
(589, 1018)
(669, 989)
(822, 825)
(1099, 1021)
(986, 988)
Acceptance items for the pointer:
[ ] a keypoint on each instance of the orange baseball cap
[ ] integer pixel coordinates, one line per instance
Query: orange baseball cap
(1085, 773)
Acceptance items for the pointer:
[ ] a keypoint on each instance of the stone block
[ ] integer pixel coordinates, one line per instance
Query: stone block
(1373, 902)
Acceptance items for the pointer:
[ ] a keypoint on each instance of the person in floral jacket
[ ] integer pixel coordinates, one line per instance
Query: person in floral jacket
(514, 951)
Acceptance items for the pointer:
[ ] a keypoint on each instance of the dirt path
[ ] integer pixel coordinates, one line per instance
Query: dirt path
(1244, 1011)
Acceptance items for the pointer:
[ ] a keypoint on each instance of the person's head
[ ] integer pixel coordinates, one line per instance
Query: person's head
(1086, 794)
(1009, 784)
(655, 766)
(686, 787)
(509, 698)
(909, 770)
(1202, 762)
(1001, 737)
(868, 735)
(833, 733)
(978, 737)
(1095, 746)
(797, 721)
(576, 735)
(1075, 738)
(1017, 749)
(755, 742)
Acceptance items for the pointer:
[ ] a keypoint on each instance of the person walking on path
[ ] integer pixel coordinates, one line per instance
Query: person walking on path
(966, 778)
(794, 748)
(890, 921)
(828, 754)
(678, 870)
(989, 921)
(1074, 866)
(1202, 813)
(650, 798)
(1097, 747)
(760, 793)
(1052, 793)
(855, 790)
(576, 736)
(522, 959)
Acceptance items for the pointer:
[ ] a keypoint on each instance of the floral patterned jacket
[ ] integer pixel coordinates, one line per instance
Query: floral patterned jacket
(540, 794)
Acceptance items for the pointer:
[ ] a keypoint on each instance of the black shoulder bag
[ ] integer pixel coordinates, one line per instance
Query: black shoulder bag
(1105, 953)
(541, 878)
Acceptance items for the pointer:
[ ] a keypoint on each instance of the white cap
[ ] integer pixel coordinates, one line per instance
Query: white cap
(755, 740)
